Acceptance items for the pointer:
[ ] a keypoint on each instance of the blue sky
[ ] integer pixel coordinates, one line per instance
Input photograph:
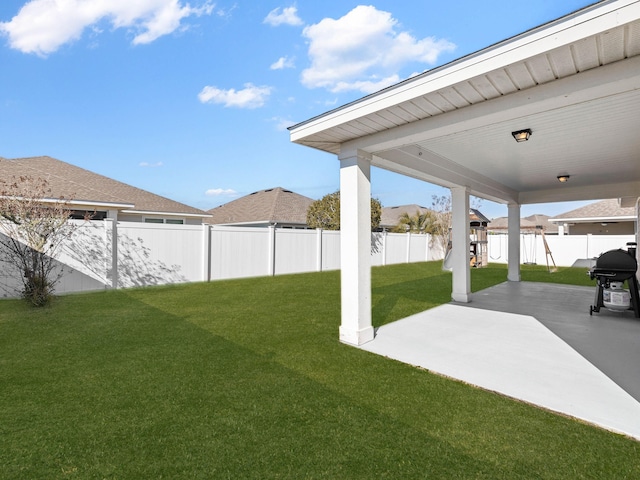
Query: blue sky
(191, 100)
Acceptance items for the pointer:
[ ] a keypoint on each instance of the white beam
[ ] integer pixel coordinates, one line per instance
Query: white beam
(587, 192)
(355, 248)
(429, 167)
(460, 231)
(513, 252)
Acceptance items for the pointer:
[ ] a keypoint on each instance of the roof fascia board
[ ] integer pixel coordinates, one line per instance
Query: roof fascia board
(257, 223)
(82, 203)
(610, 219)
(574, 27)
(166, 214)
(108, 205)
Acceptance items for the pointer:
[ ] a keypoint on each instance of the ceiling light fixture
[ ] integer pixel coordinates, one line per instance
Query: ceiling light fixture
(563, 178)
(522, 135)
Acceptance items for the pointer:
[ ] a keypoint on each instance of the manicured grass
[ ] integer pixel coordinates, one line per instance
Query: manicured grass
(246, 379)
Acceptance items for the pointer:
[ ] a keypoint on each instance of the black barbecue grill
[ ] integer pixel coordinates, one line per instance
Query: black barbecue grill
(616, 266)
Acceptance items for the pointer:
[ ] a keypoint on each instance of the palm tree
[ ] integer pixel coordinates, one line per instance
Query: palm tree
(421, 222)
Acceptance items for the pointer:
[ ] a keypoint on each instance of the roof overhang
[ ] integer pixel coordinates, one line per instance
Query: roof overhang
(626, 218)
(166, 214)
(574, 82)
(83, 204)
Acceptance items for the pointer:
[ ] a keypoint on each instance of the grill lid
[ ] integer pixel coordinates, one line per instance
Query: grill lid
(615, 262)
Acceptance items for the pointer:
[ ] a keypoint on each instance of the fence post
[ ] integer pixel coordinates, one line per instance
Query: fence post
(271, 267)
(111, 228)
(206, 252)
(408, 246)
(318, 249)
(384, 247)
(427, 241)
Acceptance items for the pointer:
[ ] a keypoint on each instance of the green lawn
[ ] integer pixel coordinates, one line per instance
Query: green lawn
(246, 379)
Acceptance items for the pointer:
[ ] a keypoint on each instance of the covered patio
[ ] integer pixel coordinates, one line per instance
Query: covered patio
(570, 88)
(552, 354)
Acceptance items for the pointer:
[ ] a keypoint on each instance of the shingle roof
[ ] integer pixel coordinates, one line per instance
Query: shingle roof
(604, 209)
(391, 215)
(502, 223)
(271, 206)
(75, 183)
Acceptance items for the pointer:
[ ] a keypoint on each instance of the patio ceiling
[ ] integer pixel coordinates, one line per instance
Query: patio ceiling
(574, 82)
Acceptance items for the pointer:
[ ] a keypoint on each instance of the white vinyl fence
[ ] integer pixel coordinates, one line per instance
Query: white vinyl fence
(107, 254)
(565, 250)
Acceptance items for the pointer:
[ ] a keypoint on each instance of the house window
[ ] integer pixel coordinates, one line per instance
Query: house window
(168, 221)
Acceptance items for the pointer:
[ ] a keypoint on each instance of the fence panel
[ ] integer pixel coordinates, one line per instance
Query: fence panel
(330, 250)
(396, 248)
(154, 254)
(70, 263)
(296, 251)
(565, 249)
(418, 248)
(378, 245)
(238, 252)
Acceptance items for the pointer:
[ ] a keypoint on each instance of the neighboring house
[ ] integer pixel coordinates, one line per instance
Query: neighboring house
(605, 217)
(274, 206)
(100, 196)
(530, 224)
(391, 215)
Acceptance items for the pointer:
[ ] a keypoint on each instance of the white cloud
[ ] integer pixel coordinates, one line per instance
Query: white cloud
(288, 16)
(363, 51)
(43, 26)
(216, 192)
(281, 63)
(250, 96)
(147, 164)
(282, 123)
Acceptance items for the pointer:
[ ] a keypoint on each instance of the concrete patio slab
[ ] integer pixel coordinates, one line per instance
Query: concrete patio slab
(513, 354)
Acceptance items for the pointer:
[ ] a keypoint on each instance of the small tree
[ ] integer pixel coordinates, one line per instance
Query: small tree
(325, 213)
(33, 226)
(442, 226)
(442, 219)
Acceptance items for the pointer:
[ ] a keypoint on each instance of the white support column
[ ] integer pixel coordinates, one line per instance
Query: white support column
(355, 247)
(460, 231)
(513, 252)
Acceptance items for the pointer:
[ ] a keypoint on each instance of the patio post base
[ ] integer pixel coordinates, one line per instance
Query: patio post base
(356, 337)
